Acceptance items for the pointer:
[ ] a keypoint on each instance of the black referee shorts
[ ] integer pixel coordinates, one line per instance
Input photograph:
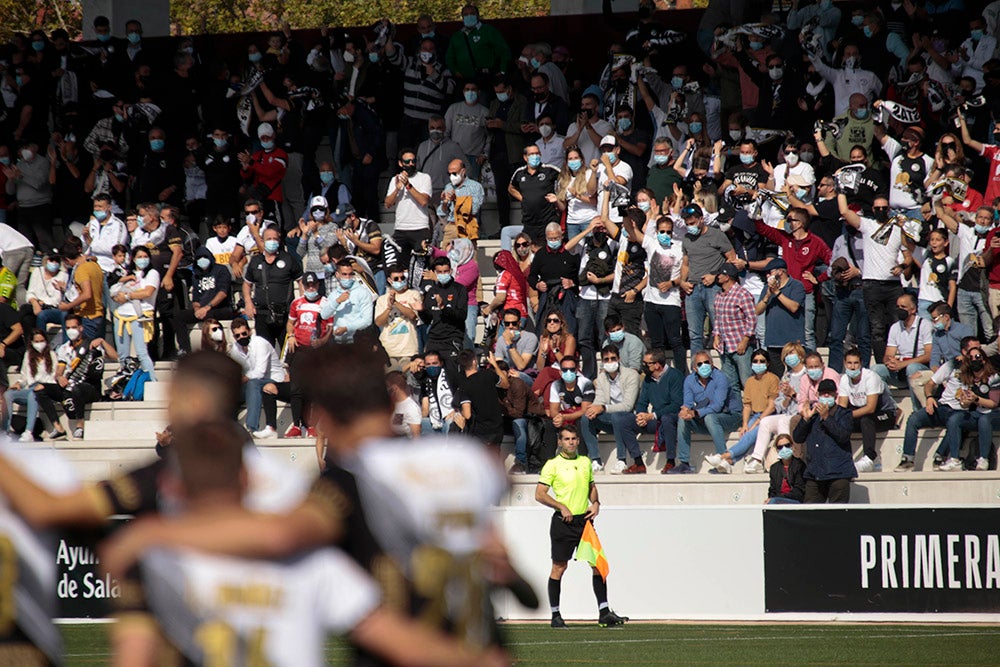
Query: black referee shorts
(565, 536)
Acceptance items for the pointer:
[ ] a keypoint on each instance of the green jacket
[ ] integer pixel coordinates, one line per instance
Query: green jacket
(471, 52)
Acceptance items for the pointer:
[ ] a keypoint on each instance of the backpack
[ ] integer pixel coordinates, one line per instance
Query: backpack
(135, 389)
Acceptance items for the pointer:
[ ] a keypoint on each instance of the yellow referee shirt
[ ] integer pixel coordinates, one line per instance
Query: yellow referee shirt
(570, 481)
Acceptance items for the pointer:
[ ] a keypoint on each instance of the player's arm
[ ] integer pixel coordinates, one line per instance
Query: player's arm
(42, 509)
(403, 642)
(135, 641)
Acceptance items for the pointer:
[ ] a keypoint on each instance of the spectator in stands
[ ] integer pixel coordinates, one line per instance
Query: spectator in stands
(368, 137)
(630, 276)
(554, 274)
(781, 304)
(550, 143)
(16, 253)
(872, 406)
(478, 50)
(267, 287)
(134, 296)
(264, 171)
(45, 292)
(759, 394)
(28, 180)
(465, 124)
(461, 203)
(261, 367)
(555, 342)
(349, 305)
(569, 398)
(514, 345)
(630, 347)
(397, 314)
(435, 153)
(427, 84)
(11, 334)
(437, 398)
(160, 177)
(544, 105)
(532, 185)
(316, 233)
(946, 340)
(210, 297)
(514, 403)
(477, 395)
(79, 375)
(361, 238)
(661, 396)
(446, 305)
(406, 412)
(84, 289)
(165, 244)
(576, 192)
(848, 312)
(662, 176)
(705, 249)
(596, 273)
(332, 190)
(511, 288)
(634, 143)
(616, 389)
(788, 481)
(220, 162)
(37, 369)
(908, 350)
(506, 142)
(737, 324)
(826, 428)
(103, 232)
(588, 129)
(213, 336)
(409, 193)
(710, 406)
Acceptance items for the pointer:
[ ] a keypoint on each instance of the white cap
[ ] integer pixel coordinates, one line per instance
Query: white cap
(319, 201)
(609, 140)
(265, 130)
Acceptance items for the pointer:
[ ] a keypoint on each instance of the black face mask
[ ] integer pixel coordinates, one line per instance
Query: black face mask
(541, 97)
(243, 340)
(600, 239)
(977, 365)
(996, 137)
(881, 215)
(902, 314)
(107, 155)
(410, 169)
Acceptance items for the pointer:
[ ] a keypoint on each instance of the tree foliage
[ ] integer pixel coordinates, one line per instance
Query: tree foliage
(23, 16)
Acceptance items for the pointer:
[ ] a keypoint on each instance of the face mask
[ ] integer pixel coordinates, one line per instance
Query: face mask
(471, 96)
(735, 135)
(100, 215)
(326, 177)
(624, 124)
(271, 246)
(857, 19)
(5, 161)
(256, 57)
(901, 314)
(515, 335)
(27, 154)
(977, 35)
(39, 45)
(534, 161)
(695, 127)
(443, 278)
(814, 373)
(52, 267)
(725, 226)
(574, 165)
(38, 346)
(868, 32)
(569, 376)
(982, 230)
(792, 360)
(776, 73)
(399, 285)
(470, 20)
(19, 80)
(104, 38)
(977, 365)
(664, 239)
(535, 64)
(617, 336)
(346, 283)
(503, 97)
(553, 244)
(310, 295)
(705, 370)
(801, 194)
(328, 268)
(792, 159)
(611, 367)
(828, 401)
(851, 62)
(643, 206)
(216, 335)
(939, 326)
(545, 130)
(373, 57)
(133, 37)
(204, 263)
(348, 58)
(756, 46)
(142, 263)
(746, 159)
(806, 156)
(432, 371)
(677, 82)
(456, 179)
(852, 372)
(426, 56)
(758, 369)
(72, 334)
(454, 256)
(267, 145)
(660, 160)
(157, 144)
(522, 252)
(693, 230)
(785, 453)
(220, 143)
(611, 157)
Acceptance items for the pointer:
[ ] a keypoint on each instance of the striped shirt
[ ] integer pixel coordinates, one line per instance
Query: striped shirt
(423, 96)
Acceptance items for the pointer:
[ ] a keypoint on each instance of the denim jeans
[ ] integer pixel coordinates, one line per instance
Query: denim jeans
(737, 367)
(93, 328)
(252, 396)
(747, 440)
(471, 318)
(893, 380)
(572, 229)
(849, 311)
(972, 309)
(920, 419)
(607, 422)
(132, 336)
(24, 397)
(520, 427)
(590, 314)
(811, 319)
(699, 303)
(718, 425)
(665, 429)
(52, 316)
(507, 235)
(778, 500)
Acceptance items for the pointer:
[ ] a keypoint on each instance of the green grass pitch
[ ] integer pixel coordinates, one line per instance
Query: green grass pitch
(767, 645)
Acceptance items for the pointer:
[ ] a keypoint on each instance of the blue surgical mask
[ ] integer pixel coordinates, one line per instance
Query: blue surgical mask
(868, 31)
(828, 401)
(705, 370)
(39, 45)
(756, 46)
(328, 268)
(373, 57)
(976, 35)
(100, 215)
(617, 336)
(785, 453)
(326, 177)
(792, 360)
(142, 263)
(515, 334)
(220, 143)
(553, 244)
(133, 37)
(758, 368)
(814, 373)
(255, 57)
(664, 239)
(677, 82)
(272, 246)
(267, 145)
(574, 165)
(470, 20)
(852, 372)
(939, 325)
(430, 35)
(104, 38)
(5, 161)
(660, 160)
(19, 80)
(861, 113)
(857, 19)
(534, 63)
(399, 285)
(346, 283)
(454, 256)
(643, 206)
(310, 295)
(432, 371)
(746, 159)
(443, 278)
(569, 375)
(203, 263)
(695, 127)
(534, 161)
(801, 194)
(157, 144)
(611, 157)
(470, 96)
(693, 230)
(503, 97)
(981, 229)
(624, 124)
(52, 267)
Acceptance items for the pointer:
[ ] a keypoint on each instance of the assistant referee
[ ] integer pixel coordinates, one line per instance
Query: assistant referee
(571, 479)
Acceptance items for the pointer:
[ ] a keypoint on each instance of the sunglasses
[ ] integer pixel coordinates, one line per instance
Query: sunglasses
(512, 324)
(783, 446)
(409, 161)
(553, 319)
(881, 209)
(792, 151)
(253, 212)
(521, 245)
(948, 144)
(704, 363)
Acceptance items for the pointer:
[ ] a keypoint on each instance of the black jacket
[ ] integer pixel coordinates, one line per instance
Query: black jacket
(447, 320)
(207, 284)
(828, 445)
(796, 480)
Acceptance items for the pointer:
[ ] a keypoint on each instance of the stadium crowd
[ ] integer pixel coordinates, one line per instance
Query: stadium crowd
(807, 202)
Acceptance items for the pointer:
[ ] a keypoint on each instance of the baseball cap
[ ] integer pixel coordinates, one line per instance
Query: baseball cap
(692, 211)
(309, 277)
(319, 201)
(265, 130)
(730, 270)
(776, 263)
(725, 213)
(827, 386)
(341, 212)
(609, 140)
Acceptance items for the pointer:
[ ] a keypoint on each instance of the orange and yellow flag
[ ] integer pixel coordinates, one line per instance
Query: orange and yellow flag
(590, 550)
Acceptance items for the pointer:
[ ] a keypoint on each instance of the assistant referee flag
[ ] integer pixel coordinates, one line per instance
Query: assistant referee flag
(590, 550)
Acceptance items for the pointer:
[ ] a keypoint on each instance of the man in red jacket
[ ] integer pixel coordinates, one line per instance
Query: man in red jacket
(264, 171)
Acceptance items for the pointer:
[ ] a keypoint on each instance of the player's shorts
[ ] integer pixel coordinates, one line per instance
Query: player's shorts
(565, 536)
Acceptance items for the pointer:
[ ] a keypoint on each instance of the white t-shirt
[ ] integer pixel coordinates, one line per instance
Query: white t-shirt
(803, 170)
(621, 168)
(585, 143)
(552, 150)
(857, 394)
(879, 259)
(405, 414)
(936, 289)
(662, 264)
(590, 292)
(903, 340)
(138, 307)
(579, 212)
(969, 243)
(410, 216)
(221, 250)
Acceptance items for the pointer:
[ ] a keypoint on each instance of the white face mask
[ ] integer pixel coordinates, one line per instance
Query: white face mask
(611, 367)
(38, 346)
(348, 57)
(216, 335)
(456, 179)
(792, 159)
(72, 334)
(545, 130)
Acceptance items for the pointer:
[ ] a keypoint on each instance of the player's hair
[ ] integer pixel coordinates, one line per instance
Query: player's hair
(395, 379)
(218, 373)
(209, 455)
(347, 381)
(568, 428)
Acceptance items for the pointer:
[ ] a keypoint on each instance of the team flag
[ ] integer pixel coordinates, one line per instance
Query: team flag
(590, 550)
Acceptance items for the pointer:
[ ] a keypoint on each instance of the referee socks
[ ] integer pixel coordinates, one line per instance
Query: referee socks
(555, 587)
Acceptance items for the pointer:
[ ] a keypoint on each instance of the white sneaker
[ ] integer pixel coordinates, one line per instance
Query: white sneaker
(714, 460)
(617, 467)
(951, 465)
(596, 466)
(27, 437)
(268, 432)
(982, 464)
(752, 465)
(724, 467)
(864, 464)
